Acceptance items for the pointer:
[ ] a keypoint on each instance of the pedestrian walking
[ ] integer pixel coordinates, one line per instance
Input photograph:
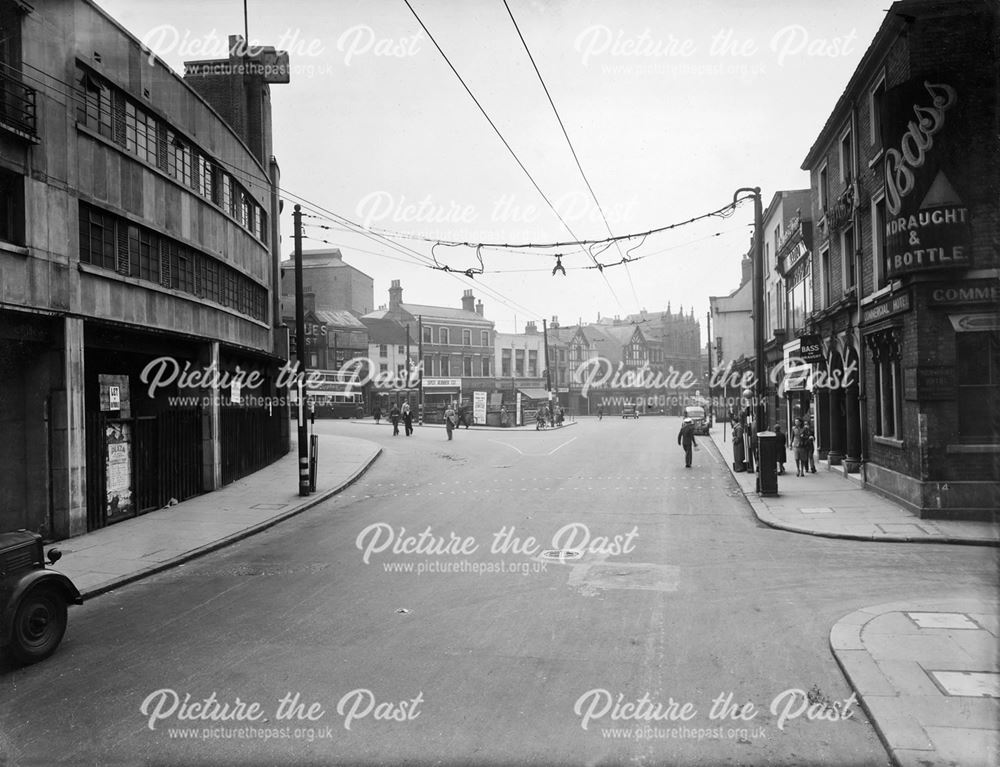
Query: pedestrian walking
(407, 415)
(377, 414)
(450, 420)
(685, 438)
(503, 416)
(394, 417)
(782, 443)
(600, 412)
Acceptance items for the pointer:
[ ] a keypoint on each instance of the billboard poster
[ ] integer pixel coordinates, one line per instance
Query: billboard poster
(118, 471)
(479, 407)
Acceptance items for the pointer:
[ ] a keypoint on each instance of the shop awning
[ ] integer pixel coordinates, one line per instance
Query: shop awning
(534, 393)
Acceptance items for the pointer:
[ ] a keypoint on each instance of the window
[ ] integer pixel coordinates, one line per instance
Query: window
(484, 338)
(519, 362)
(505, 363)
(427, 335)
(261, 225)
(888, 393)
(486, 367)
(443, 335)
(11, 207)
(826, 284)
(878, 243)
(847, 253)
(428, 367)
(205, 178)
(383, 350)
(846, 157)
(383, 367)
(466, 337)
(467, 366)
(777, 239)
(978, 378)
(876, 111)
(799, 300)
(444, 366)
(824, 190)
(532, 363)
(178, 158)
(401, 349)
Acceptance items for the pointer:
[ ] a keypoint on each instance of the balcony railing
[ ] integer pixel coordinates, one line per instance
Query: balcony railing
(17, 105)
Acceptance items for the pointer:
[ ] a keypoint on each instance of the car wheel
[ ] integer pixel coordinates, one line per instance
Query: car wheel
(39, 625)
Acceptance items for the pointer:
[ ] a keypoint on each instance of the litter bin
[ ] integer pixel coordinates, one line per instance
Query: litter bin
(767, 463)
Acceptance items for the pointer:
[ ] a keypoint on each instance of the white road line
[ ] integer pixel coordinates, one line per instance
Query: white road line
(561, 446)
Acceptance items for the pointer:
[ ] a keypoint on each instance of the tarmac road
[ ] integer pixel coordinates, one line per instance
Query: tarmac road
(457, 642)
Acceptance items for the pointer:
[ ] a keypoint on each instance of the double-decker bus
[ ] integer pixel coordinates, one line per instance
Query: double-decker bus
(334, 395)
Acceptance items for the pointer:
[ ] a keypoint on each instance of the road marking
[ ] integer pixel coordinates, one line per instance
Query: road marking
(561, 446)
(533, 455)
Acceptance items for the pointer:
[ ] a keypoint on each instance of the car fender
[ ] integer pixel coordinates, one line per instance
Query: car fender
(27, 582)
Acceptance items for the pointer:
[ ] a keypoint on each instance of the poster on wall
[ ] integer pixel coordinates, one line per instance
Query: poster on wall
(118, 481)
(479, 407)
(926, 177)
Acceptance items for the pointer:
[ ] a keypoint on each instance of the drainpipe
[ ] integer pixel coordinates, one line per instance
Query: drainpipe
(859, 280)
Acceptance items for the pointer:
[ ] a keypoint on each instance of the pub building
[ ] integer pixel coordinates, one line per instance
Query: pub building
(904, 179)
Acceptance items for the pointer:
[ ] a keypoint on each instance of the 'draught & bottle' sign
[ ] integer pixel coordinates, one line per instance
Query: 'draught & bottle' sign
(927, 224)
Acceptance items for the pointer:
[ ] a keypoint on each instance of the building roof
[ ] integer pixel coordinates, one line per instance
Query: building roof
(384, 331)
(340, 317)
(443, 313)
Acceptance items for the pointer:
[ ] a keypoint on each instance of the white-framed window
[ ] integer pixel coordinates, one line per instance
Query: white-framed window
(486, 367)
(876, 110)
(428, 334)
(466, 337)
(846, 156)
(878, 242)
(383, 350)
(823, 189)
(484, 338)
(443, 336)
(848, 264)
(445, 371)
(467, 366)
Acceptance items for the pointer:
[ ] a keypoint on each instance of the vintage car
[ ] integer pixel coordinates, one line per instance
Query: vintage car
(698, 418)
(33, 598)
(630, 411)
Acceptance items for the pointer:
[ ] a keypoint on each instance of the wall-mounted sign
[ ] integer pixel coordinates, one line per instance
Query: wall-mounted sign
(479, 407)
(437, 383)
(114, 394)
(811, 348)
(967, 292)
(885, 307)
(928, 225)
(235, 392)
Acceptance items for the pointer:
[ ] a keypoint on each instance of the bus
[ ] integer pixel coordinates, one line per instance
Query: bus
(333, 395)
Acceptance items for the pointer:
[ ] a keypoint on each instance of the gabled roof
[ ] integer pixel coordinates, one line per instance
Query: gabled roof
(340, 317)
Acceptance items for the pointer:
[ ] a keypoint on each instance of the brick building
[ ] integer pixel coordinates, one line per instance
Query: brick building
(905, 192)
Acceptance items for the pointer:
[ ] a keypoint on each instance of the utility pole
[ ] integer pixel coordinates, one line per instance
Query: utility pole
(420, 353)
(758, 304)
(711, 400)
(300, 350)
(548, 373)
(406, 364)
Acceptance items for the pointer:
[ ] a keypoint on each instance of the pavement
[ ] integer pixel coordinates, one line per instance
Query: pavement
(135, 548)
(926, 671)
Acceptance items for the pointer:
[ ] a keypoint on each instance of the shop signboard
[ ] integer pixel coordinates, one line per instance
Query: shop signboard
(885, 307)
(929, 383)
(114, 395)
(811, 348)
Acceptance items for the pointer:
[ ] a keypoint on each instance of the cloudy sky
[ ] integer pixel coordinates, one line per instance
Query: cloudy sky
(670, 107)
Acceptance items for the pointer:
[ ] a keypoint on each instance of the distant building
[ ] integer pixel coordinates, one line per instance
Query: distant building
(455, 347)
(335, 284)
(732, 326)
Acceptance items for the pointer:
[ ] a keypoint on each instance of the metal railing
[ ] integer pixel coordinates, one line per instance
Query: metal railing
(17, 104)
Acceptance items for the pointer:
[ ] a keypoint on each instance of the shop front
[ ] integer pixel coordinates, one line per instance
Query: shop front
(439, 394)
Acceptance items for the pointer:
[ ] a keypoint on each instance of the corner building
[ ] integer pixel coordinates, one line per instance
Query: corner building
(905, 195)
(136, 226)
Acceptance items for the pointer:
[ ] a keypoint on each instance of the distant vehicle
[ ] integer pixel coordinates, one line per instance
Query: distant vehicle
(697, 416)
(630, 411)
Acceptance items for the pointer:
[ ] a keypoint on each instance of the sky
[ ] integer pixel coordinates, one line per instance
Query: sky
(670, 107)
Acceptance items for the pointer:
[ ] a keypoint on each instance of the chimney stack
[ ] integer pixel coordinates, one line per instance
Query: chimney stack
(747, 265)
(555, 322)
(468, 302)
(395, 296)
(479, 308)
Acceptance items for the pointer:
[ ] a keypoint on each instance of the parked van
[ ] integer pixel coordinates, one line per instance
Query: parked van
(698, 418)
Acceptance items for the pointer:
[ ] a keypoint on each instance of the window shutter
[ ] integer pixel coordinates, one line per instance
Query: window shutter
(161, 146)
(118, 117)
(121, 248)
(165, 270)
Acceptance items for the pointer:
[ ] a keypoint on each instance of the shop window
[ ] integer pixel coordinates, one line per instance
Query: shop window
(888, 394)
(978, 378)
(11, 207)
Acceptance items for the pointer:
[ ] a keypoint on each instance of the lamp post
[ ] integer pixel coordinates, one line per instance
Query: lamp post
(711, 400)
(758, 302)
(300, 353)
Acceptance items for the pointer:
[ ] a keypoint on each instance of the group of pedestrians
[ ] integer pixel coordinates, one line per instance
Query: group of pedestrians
(547, 416)
(397, 413)
(803, 445)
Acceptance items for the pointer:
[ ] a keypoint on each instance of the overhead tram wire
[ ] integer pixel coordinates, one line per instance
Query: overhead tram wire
(572, 149)
(501, 137)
